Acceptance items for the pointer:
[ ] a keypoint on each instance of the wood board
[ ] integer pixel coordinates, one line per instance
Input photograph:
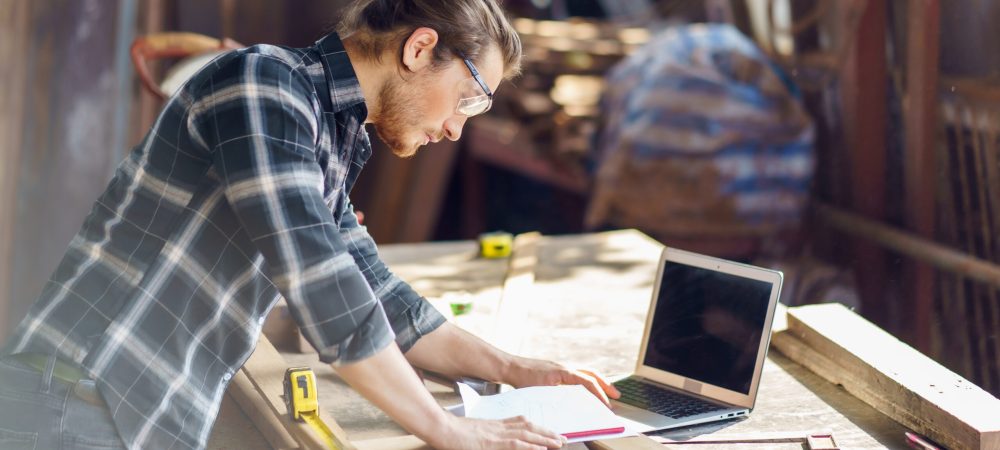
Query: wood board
(590, 296)
(258, 389)
(592, 292)
(892, 377)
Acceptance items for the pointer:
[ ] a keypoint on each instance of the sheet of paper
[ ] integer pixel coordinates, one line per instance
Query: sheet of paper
(562, 409)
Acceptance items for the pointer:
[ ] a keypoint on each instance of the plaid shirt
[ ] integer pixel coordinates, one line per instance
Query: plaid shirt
(237, 196)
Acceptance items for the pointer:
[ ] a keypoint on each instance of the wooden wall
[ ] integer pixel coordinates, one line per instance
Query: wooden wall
(13, 29)
(70, 108)
(63, 131)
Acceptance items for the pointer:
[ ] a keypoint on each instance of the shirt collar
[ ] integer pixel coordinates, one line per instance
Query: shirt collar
(345, 90)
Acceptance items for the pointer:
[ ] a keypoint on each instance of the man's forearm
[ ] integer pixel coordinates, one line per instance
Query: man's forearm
(454, 352)
(390, 383)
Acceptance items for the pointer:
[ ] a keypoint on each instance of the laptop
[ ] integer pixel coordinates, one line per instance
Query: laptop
(704, 344)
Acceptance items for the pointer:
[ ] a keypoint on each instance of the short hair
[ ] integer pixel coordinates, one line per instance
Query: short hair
(465, 28)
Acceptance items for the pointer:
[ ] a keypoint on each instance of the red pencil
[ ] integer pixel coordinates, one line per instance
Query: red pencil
(580, 434)
(919, 442)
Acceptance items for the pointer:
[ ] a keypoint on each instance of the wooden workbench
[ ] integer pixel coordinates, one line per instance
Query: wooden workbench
(586, 308)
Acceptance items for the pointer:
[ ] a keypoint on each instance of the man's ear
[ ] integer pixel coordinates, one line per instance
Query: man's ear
(418, 49)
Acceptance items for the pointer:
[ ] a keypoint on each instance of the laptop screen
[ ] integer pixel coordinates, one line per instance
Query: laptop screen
(708, 325)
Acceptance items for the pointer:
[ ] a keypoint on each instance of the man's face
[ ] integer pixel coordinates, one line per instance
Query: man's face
(421, 108)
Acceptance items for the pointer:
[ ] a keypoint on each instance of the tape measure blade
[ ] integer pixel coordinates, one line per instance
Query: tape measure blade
(321, 429)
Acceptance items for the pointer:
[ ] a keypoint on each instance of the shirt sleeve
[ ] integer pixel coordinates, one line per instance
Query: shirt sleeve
(256, 118)
(410, 315)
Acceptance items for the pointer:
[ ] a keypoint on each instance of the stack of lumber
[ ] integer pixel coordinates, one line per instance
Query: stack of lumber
(892, 377)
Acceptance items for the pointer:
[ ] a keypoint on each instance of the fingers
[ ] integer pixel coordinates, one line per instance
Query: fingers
(587, 380)
(606, 385)
(518, 445)
(523, 431)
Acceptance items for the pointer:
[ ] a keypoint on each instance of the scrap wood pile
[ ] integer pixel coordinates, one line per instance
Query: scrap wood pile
(553, 106)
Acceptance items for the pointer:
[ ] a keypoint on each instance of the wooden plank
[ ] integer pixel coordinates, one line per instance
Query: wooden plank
(863, 85)
(773, 437)
(13, 37)
(591, 295)
(629, 443)
(892, 377)
(575, 278)
(920, 115)
(253, 404)
(516, 300)
(393, 443)
(938, 255)
(413, 443)
(233, 429)
(265, 370)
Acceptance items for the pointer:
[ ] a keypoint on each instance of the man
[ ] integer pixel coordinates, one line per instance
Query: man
(239, 194)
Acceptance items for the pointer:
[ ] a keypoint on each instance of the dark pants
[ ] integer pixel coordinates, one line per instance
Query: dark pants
(39, 411)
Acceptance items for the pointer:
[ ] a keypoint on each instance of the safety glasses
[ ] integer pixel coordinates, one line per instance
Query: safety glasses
(475, 97)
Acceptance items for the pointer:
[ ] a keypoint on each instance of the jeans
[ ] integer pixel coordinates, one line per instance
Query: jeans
(39, 411)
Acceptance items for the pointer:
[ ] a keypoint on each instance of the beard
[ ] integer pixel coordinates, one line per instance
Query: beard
(398, 114)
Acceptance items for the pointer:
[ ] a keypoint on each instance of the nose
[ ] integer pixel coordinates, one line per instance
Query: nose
(453, 127)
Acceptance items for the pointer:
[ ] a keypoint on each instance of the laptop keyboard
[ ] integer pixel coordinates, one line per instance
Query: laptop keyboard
(662, 401)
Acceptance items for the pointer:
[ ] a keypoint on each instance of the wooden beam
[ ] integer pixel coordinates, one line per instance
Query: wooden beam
(413, 443)
(410, 442)
(14, 35)
(940, 256)
(265, 371)
(516, 300)
(256, 408)
(920, 118)
(814, 439)
(889, 375)
(628, 443)
(863, 88)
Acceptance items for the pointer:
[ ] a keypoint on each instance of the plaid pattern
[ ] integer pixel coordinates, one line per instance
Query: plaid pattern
(238, 195)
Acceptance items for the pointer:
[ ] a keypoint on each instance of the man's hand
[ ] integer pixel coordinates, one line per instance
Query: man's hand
(447, 349)
(536, 372)
(476, 434)
(388, 381)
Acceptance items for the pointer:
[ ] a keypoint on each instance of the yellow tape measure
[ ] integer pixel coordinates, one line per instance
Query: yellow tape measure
(496, 244)
(302, 399)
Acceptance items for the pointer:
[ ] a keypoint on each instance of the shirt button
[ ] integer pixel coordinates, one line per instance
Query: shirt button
(227, 376)
(261, 320)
